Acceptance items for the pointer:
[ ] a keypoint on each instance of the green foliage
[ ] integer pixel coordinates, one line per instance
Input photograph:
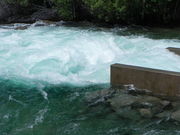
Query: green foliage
(65, 8)
(106, 10)
(132, 11)
(116, 11)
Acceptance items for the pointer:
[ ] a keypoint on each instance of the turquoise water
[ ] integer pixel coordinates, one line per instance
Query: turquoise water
(45, 72)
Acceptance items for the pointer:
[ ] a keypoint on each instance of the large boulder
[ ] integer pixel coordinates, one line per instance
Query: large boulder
(14, 13)
(45, 14)
(122, 100)
(7, 10)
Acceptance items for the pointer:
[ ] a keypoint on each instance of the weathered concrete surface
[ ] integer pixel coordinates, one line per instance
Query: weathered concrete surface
(174, 50)
(160, 82)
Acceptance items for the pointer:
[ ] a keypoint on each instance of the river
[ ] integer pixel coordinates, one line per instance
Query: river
(46, 71)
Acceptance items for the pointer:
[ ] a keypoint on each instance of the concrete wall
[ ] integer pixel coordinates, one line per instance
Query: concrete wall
(174, 50)
(158, 81)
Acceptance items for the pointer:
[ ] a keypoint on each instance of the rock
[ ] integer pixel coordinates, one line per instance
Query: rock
(45, 14)
(165, 114)
(136, 106)
(152, 99)
(144, 92)
(149, 102)
(43, 23)
(122, 100)
(129, 87)
(15, 13)
(146, 113)
(6, 10)
(128, 113)
(34, 16)
(141, 104)
(21, 28)
(166, 105)
(146, 102)
(176, 116)
(176, 105)
(135, 91)
(97, 97)
(156, 109)
(140, 92)
(90, 96)
(60, 23)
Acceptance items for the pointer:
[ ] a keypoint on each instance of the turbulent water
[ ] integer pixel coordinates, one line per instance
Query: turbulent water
(45, 72)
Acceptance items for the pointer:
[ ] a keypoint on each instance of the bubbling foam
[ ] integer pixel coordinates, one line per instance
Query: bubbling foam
(74, 55)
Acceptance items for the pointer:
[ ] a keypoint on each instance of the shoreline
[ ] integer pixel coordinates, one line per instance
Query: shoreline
(135, 104)
(94, 23)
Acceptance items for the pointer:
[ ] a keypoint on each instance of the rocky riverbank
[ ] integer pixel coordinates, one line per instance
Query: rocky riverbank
(131, 103)
(15, 13)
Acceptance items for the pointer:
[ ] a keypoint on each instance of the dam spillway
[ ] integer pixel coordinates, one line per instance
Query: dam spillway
(160, 82)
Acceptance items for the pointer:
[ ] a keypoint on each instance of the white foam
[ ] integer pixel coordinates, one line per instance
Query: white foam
(73, 55)
(15, 100)
(43, 93)
(39, 118)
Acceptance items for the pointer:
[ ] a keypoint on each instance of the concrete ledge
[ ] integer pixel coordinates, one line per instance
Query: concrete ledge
(160, 82)
(174, 50)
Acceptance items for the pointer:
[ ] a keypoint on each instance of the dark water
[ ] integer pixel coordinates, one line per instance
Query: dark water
(26, 110)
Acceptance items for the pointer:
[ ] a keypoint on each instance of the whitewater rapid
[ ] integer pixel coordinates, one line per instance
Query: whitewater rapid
(77, 55)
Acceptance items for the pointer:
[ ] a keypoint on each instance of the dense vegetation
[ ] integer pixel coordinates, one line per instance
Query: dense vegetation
(134, 11)
(114, 11)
